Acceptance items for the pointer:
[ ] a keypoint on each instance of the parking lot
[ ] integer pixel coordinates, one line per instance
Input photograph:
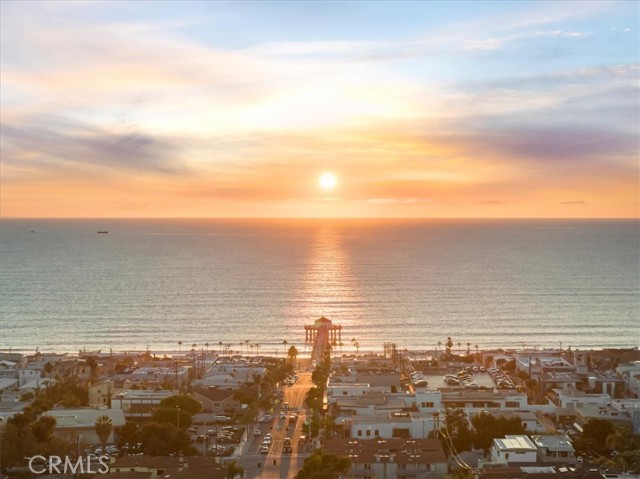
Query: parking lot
(483, 379)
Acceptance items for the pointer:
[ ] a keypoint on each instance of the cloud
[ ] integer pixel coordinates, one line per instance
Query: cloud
(495, 43)
(56, 144)
(392, 201)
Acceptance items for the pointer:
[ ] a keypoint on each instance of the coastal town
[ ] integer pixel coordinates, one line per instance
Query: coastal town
(221, 410)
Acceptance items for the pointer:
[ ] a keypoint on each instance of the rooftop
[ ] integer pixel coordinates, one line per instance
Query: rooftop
(554, 443)
(515, 443)
(83, 418)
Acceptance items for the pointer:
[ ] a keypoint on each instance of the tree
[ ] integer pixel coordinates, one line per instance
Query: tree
(460, 473)
(42, 428)
(593, 438)
(314, 398)
(48, 368)
(488, 427)
(186, 403)
(323, 466)
(449, 345)
(17, 443)
(292, 353)
(457, 428)
(173, 416)
(93, 366)
(164, 439)
(234, 470)
(129, 435)
(103, 426)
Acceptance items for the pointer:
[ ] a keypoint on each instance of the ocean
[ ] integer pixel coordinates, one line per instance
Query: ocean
(149, 284)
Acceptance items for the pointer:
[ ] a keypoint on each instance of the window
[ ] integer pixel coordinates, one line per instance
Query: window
(368, 432)
(344, 393)
(359, 432)
(367, 467)
(403, 466)
(427, 404)
(376, 432)
(512, 404)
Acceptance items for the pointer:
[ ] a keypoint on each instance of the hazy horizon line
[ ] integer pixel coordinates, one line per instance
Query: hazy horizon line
(635, 218)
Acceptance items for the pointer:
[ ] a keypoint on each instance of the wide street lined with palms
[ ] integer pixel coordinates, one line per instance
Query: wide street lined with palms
(278, 464)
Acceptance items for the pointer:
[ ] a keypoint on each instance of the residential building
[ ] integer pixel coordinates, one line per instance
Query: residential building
(514, 450)
(554, 450)
(390, 425)
(217, 400)
(73, 422)
(148, 467)
(577, 399)
(391, 458)
(138, 403)
(29, 373)
(477, 401)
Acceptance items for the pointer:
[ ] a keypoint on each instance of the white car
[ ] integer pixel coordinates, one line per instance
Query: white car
(264, 450)
(266, 418)
(257, 432)
(266, 441)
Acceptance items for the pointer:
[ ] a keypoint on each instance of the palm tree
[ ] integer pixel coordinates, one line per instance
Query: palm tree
(48, 368)
(220, 344)
(449, 344)
(293, 354)
(251, 346)
(468, 349)
(459, 347)
(257, 346)
(103, 426)
(234, 470)
(357, 345)
(179, 348)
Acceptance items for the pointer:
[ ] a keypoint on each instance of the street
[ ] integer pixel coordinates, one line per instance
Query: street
(276, 464)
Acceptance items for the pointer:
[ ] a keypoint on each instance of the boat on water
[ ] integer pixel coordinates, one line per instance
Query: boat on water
(103, 232)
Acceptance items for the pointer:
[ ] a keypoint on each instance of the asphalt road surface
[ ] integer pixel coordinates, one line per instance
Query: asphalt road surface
(276, 464)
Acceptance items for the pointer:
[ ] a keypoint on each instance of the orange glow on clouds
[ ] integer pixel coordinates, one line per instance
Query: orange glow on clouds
(135, 119)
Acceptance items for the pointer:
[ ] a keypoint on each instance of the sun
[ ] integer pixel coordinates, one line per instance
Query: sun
(327, 181)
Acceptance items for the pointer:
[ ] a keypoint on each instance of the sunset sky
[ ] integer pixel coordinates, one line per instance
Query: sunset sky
(225, 109)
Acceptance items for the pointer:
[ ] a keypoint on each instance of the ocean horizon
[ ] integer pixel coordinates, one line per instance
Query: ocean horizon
(149, 283)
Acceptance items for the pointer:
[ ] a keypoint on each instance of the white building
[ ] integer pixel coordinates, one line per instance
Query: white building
(390, 425)
(491, 401)
(514, 450)
(578, 399)
(28, 374)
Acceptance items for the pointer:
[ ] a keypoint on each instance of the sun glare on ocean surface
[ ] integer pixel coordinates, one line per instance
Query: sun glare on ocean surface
(327, 181)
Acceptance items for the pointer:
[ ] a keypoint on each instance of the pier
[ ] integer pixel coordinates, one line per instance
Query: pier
(321, 332)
